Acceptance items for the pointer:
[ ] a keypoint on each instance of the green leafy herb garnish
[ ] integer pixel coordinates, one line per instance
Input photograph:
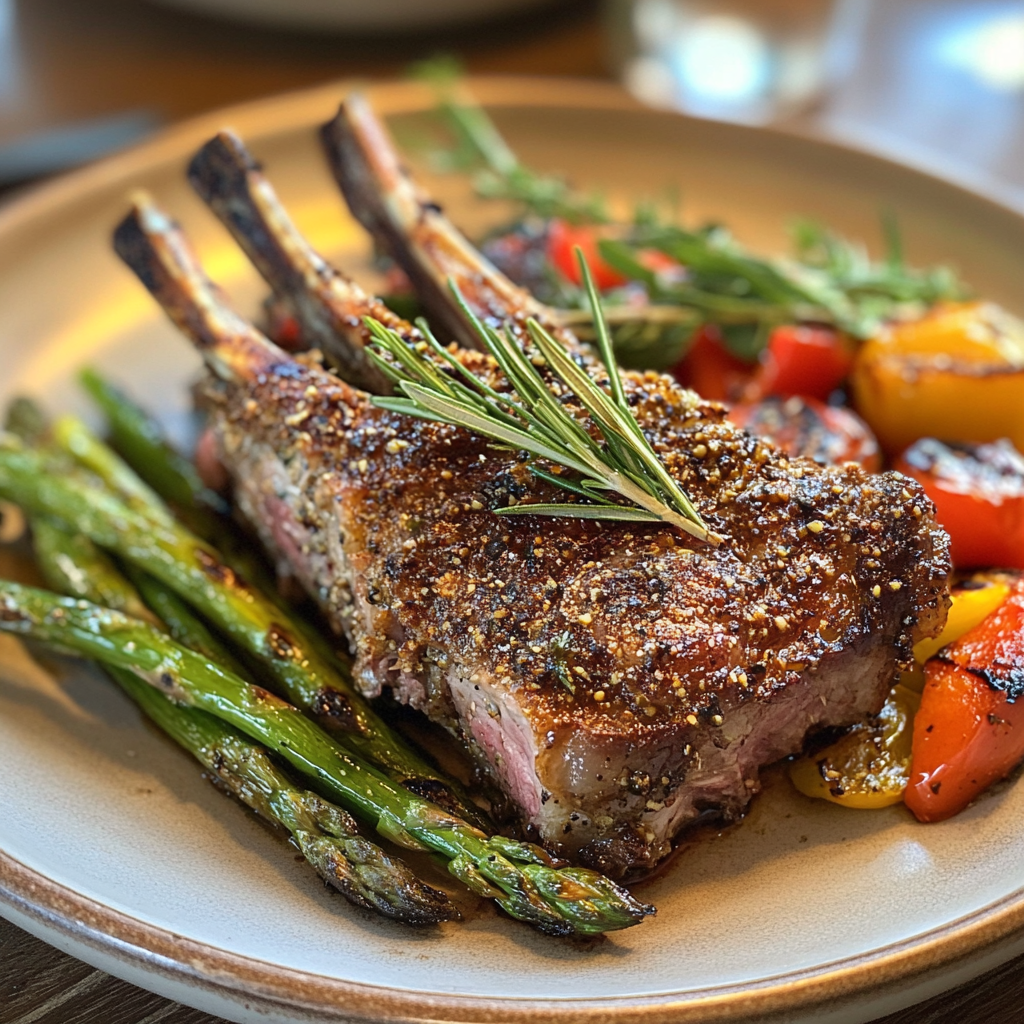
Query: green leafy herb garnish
(827, 280)
(534, 420)
(482, 150)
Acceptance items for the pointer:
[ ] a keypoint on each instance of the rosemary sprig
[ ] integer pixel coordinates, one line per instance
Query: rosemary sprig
(645, 337)
(482, 150)
(534, 420)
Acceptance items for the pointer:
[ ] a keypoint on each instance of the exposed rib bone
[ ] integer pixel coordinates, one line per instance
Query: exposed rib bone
(328, 306)
(152, 244)
(414, 231)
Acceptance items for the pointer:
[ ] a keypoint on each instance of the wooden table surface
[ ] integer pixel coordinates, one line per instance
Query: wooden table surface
(65, 60)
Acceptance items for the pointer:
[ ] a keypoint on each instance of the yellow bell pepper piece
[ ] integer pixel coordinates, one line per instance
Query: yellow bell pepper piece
(869, 767)
(956, 374)
(973, 601)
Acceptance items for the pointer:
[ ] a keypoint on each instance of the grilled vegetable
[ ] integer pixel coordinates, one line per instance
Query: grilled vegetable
(327, 836)
(957, 374)
(869, 766)
(711, 369)
(141, 443)
(803, 359)
(969, 731)
(563, 239)
(139, 440)
(828, 434)
(972, 601)
(978, 492)
(73, 565)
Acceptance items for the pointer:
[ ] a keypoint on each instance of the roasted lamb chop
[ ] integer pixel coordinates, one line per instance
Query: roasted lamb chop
(614, 679)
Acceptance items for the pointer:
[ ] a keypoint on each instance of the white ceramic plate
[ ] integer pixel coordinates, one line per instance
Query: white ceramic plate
(114, 848)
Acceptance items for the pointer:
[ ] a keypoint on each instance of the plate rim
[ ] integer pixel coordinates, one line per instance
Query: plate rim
(150, 949)
(903, 967)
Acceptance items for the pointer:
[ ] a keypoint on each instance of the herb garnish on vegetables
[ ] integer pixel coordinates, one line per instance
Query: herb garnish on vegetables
(713, 278)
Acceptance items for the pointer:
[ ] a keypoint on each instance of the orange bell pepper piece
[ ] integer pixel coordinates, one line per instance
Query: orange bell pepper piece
(955, 374)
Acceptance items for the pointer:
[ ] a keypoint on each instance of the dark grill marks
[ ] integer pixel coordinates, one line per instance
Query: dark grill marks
(280, 643)
(334, 707)
(217, 570)
(433, 791)
(1008, 679)
(8, 614)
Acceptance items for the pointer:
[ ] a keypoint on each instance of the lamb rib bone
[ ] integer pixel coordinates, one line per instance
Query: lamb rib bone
(329, 307)
(414, 231)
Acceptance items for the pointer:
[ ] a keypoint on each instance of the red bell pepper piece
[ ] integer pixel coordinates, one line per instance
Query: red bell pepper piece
(969, 731)
(563, 240)
(710, 369)
(805, 360)
(978, 492)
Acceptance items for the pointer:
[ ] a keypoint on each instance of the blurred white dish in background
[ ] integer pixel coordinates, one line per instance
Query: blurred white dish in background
(752, 61)
(356, 14)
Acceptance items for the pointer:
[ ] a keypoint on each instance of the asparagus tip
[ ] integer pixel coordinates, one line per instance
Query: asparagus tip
(368, 877)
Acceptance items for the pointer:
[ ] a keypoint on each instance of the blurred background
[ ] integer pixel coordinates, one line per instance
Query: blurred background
(936, 83)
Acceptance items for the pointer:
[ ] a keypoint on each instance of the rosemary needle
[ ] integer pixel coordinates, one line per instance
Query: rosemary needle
(535, 421)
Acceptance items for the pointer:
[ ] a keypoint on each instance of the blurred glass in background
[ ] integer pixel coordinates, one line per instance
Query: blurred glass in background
(939, 84)
(743, 60)
(935, 83)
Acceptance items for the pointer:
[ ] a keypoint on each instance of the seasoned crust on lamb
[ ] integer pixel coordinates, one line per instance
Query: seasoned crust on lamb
(614, 679)
(606, 674)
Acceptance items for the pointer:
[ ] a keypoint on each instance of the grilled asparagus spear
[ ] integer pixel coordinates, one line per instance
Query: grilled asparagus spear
(194, 570)
(137, 437)
(70, 435)
(520, 877)
(327, 836)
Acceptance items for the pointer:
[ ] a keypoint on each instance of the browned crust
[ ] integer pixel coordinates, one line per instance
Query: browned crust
(666, 630)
